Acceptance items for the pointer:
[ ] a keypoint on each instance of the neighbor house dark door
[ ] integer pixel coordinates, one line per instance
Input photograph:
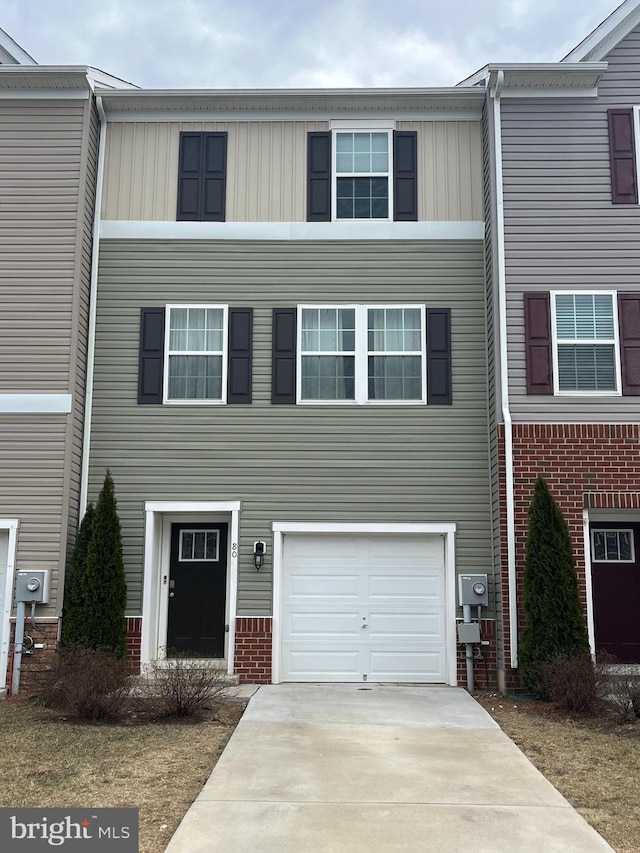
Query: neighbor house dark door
(615, 576)
(197, 590)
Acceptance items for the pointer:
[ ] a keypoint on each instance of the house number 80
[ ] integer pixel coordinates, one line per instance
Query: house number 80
(234, 549)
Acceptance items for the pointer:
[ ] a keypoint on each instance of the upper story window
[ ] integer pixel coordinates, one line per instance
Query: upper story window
(582, 344)
(364, 170)
(361, 354)
(362, 167)
(195, 354)
(196, 349)
(586, 343)
(202, 177)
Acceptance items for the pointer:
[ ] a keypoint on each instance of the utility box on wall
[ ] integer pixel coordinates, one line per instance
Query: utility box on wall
(474, 590)
(33, 586)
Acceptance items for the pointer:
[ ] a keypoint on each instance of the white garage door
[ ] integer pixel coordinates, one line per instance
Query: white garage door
(359, 607)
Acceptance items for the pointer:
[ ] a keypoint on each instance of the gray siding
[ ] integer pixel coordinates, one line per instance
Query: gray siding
(562, 231)
(41, 221)
(287, 463)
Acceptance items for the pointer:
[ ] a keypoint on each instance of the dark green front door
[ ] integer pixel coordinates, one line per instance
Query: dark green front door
(197, 590)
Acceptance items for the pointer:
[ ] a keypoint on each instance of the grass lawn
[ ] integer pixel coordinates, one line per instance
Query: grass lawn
(159, 768)
(593, 761)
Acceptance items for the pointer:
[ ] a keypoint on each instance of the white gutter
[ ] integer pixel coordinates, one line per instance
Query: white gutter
(504, 374)
(93, 299)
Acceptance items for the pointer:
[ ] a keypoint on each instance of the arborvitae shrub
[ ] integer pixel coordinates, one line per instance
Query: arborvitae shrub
(76, 614)
(555, 624)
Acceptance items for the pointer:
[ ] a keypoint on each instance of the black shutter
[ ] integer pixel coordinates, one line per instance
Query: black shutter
(283, 368)
(537, 338)
(189, 177)
(319, 176)
(151, 361)
(439, 357)
(405, 175)
(629, 319)
(240, 355)
(214, 176)
(622, 157)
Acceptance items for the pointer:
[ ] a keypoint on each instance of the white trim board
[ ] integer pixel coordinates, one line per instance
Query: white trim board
(36, 404)
(368, 229)
(287, 115)
(155, 590)
(280, 529)
(11, 525)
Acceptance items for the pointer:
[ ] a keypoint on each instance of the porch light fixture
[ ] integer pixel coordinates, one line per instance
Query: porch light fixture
(259, 550)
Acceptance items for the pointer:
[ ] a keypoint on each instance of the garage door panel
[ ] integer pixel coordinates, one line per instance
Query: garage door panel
(359, 607)
(416, 628)
(411, 587)
(329, 585)
(417, 667)
(325, 625)
(325, 665)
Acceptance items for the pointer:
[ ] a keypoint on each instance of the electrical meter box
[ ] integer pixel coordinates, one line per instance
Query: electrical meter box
(33, 586)
(473, 589)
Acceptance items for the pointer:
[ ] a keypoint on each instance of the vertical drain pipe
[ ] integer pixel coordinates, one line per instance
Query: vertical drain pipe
(504, 374)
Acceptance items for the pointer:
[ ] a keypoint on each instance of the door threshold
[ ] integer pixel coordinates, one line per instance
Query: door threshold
(203, 663)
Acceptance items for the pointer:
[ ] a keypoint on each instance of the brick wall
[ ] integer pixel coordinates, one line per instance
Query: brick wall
(134, 643)
(252, 661)
(585, 465)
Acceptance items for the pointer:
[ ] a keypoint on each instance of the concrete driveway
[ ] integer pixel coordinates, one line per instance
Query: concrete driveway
(376, 768)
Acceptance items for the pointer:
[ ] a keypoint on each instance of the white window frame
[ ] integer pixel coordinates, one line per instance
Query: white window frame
(362, 356)
(225, 347)
(363, 126)
(616, 342)
(636, 145)
(618, 530)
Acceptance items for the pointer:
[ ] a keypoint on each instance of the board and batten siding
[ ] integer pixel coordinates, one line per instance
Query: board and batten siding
(292, 463)
(562, 231)
(266, 169)
(44, 279)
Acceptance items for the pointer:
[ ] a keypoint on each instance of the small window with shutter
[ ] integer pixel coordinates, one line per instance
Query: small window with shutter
(586, 347)
(195, 354)
(362, 170)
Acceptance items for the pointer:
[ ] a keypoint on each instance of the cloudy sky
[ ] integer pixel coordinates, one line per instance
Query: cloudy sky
(298, 43)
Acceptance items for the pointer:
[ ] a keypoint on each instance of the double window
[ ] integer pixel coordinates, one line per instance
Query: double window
(361, 354)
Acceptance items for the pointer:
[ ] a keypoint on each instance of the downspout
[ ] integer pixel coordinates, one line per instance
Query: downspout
(504, 374)
(93, 299)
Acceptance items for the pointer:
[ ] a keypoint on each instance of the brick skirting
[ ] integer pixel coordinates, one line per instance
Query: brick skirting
(586, 466)
(252, 661)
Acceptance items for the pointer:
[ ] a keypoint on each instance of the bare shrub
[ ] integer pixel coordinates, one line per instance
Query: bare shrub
(570, 683)
(619, 688)
(181, 686)
(87, 684)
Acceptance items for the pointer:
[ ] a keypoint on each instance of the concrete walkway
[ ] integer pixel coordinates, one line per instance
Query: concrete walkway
(374, 769)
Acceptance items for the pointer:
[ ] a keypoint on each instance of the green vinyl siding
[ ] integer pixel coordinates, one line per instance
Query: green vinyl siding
(390, 463)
